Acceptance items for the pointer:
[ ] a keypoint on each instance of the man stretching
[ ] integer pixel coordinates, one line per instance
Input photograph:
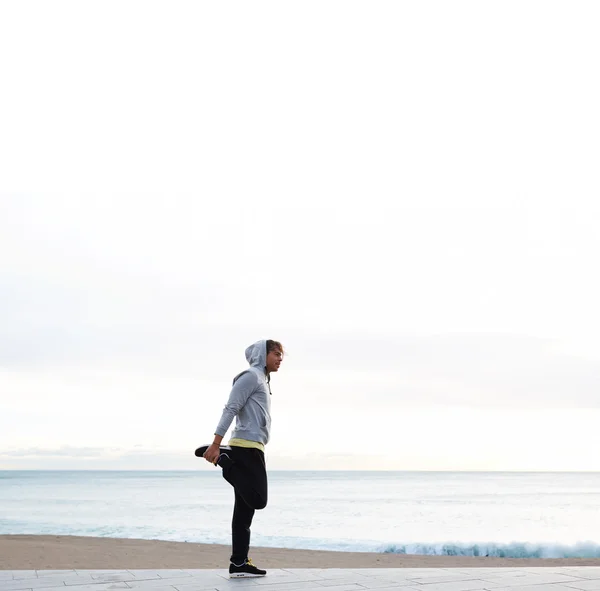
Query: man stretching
(243, 460)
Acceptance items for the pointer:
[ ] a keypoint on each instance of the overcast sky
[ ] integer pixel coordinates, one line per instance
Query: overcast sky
(405, 194)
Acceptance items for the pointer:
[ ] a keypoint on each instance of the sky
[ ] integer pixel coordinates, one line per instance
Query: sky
(405, 194)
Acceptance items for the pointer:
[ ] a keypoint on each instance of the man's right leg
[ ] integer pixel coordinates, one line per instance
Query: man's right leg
(244, 468)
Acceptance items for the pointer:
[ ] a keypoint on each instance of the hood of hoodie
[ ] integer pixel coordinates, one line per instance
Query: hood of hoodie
(250, 403)
(256, 355)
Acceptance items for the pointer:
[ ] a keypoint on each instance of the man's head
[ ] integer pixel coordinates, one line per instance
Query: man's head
(274, 355)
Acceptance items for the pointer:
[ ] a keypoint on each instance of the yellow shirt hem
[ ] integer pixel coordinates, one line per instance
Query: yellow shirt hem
(235, 442)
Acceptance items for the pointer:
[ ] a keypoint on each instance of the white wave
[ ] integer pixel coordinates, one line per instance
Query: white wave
(585, 549)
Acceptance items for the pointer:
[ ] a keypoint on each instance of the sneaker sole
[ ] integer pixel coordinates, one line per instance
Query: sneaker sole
(199, 453)
(243, 576)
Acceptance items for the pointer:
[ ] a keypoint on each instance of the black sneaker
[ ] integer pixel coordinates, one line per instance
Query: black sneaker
(245, 570)
(223, 460)
(199, 453)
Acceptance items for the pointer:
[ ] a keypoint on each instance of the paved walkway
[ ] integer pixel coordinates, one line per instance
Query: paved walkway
(586, 578)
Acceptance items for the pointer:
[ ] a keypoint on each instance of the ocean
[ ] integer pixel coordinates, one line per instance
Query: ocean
(510, 514)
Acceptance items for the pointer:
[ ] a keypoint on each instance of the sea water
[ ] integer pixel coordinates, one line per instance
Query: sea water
(458, 513)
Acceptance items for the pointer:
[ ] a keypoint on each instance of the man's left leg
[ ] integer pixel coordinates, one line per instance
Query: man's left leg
(241, 565)
(240, 530)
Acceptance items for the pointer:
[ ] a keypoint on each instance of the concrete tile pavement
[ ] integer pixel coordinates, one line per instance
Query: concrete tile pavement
(382, 579)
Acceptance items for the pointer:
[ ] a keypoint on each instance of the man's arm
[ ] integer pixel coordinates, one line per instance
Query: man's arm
(241, 391)
(243, 387)
(213, 452)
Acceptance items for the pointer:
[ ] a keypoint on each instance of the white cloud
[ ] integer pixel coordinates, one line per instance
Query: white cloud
(406, 197)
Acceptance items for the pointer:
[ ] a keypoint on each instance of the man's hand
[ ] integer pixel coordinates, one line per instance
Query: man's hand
(212, 453)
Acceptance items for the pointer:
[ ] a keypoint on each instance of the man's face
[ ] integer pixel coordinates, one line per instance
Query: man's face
(274, 359)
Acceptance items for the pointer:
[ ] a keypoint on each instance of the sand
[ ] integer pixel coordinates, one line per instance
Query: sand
(25, 552)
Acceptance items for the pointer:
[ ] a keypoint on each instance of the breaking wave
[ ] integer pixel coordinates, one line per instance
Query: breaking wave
(512, 550)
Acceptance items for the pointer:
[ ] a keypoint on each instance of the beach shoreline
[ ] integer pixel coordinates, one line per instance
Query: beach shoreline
(36, 552)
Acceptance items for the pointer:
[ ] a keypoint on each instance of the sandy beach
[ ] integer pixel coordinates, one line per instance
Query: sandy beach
(24, 552)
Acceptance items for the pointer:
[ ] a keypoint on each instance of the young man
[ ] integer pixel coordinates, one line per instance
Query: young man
(243, 460)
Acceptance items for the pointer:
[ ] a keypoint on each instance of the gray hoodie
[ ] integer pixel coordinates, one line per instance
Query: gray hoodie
(250, 399)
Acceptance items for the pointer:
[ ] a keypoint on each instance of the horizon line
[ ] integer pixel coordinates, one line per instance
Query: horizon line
(594, 471)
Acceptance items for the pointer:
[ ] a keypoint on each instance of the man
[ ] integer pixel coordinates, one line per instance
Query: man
(243, 460)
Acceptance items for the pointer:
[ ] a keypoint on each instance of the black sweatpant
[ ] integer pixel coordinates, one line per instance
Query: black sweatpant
(247, 473)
